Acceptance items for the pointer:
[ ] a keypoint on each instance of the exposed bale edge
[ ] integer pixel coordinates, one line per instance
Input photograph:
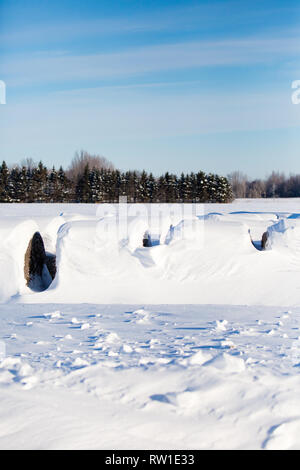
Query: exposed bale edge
(39, 267)
(51, 264)
(264, 240)
(260, 245)
(147, 240)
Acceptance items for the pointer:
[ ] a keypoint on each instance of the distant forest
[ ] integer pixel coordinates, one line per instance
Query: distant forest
(275, 185)
(93, 179)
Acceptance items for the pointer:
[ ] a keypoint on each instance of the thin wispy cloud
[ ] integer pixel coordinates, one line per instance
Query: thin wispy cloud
(99, 75)
(208, 16)
(60, 67)
(141, 131)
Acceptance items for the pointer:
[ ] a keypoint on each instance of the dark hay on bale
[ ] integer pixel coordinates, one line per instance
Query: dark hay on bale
(264, 240)
(147, 240)
(51, 264)
(37, 263)
(34, 258)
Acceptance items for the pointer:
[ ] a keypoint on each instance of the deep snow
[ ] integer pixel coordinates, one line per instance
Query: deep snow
(205, 258)
(90, 376)
(192, 343)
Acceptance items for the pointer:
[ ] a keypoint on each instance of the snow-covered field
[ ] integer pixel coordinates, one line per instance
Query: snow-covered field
(193, 342)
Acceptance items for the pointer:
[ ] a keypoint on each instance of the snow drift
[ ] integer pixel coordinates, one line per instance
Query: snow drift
(207, 259)
(196, 261)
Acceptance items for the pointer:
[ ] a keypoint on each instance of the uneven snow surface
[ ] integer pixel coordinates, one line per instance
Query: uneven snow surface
(191, 343)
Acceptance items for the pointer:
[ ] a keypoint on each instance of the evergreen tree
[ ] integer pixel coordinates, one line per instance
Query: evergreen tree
(39, 179)
(83, 188)
(21, 188)
(37, 184)
(13, 178)
(143, 190)
(53, 189)
(4, 177)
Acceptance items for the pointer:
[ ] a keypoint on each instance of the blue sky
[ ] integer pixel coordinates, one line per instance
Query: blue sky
(156, 85)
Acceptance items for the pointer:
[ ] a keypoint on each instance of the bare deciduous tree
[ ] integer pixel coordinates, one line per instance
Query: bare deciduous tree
(82, 159)
(256, 189)
(238, 181)
(275, 184)
(29, 163)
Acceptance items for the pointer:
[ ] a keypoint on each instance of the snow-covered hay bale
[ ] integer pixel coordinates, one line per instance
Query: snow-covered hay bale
(190, 229)
(137, 227)
(36, 262)
(285, 234)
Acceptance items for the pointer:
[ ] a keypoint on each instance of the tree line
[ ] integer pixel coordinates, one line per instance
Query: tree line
(101, 182)
(275, 185)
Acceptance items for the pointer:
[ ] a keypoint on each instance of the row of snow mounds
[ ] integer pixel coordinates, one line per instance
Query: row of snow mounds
(194, 261)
